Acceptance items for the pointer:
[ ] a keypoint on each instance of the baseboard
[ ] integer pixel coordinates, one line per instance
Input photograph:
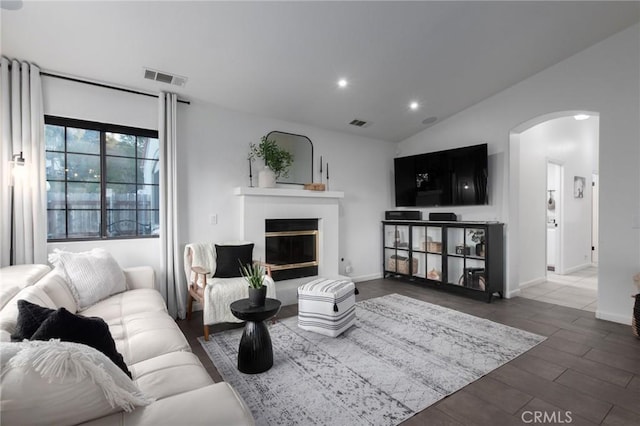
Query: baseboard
(369, 277)
(512, 293)
(576, 269)
(620, 319)
(532, 282)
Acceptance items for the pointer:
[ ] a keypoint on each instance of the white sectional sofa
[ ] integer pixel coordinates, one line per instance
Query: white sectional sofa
(153, 347)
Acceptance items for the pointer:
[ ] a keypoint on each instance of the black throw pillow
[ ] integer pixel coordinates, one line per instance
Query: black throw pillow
(229, 258)
(30, 316)
(90, 331)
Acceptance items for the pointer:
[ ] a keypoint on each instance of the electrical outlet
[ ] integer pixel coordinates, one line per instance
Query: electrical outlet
(213, 219)
(348, 269)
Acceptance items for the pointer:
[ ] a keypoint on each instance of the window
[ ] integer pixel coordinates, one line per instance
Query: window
(102, 180)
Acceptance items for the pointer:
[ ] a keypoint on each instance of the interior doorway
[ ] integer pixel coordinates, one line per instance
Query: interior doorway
(595, 208)
(554, 216)
(556, 236)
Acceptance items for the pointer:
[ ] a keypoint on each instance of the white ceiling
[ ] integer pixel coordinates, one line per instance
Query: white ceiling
(283, 59)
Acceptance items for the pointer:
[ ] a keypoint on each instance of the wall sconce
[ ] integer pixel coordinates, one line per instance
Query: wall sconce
(17, 165)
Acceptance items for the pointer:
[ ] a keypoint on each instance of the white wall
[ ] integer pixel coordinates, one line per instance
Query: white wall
(65, 98)
(533, 207)
(604, 78)
(574, 145)
(126, 252)
(68, 99)
(212, 160)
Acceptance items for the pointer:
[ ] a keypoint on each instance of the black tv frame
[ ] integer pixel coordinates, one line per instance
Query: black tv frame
(448, 178)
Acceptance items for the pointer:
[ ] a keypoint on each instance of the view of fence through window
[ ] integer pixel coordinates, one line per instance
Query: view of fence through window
(102, 180)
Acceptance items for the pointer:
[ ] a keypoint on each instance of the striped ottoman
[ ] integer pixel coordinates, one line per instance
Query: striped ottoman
(327, 306)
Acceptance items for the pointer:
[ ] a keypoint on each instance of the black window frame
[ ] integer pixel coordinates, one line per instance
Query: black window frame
(103, 128)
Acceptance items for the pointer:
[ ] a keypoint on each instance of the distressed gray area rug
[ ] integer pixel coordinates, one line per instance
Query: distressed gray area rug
(400, 357)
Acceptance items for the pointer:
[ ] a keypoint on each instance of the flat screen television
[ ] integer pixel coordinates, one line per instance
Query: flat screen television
(455, 177)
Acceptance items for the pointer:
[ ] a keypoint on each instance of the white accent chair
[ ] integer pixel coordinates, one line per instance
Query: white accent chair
(213, 293)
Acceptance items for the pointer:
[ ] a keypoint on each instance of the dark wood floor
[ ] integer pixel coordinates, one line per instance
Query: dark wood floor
(587, 372)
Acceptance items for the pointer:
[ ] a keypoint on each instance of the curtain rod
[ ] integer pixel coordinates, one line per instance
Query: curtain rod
(107, 86)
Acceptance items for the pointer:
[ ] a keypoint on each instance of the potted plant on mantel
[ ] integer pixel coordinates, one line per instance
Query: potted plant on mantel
(276, 161)
(253, 273)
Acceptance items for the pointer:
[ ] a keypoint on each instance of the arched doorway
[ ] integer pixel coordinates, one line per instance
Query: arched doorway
(567, 140)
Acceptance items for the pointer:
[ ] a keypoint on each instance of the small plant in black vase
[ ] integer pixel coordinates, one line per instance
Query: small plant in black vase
(253, 273)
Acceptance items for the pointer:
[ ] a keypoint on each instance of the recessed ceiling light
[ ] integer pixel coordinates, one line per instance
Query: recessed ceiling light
(581, 116)
(342, 83)
(414, 105)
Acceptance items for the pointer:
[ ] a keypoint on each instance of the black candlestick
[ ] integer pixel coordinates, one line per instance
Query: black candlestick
(321, 169)
(250, 175)
(327, 176)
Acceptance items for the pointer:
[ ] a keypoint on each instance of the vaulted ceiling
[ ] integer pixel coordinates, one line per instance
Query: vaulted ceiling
(283, 59)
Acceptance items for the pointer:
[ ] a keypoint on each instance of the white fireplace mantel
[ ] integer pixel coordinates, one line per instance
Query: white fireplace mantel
(287, 192)
(259, 204)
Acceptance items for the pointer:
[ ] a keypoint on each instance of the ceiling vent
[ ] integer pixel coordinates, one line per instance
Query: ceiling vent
(429, 120)
(164, 77)
(359, 123)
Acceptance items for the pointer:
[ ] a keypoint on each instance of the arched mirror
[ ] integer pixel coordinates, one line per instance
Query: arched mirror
(301, 148)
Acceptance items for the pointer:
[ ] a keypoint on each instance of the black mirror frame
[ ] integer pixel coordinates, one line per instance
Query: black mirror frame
(312, 158)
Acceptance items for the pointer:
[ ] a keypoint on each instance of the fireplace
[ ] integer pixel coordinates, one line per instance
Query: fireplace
(259, 204)
(292, 247)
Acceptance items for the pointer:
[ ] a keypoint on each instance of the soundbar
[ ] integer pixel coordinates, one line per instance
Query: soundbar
(403, 215)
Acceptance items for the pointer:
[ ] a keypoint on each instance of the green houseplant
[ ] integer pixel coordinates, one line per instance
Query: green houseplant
(253, 273)
(277, 159)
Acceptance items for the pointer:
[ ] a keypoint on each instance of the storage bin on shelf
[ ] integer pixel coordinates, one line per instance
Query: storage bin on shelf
(400, 264)
(432, 246)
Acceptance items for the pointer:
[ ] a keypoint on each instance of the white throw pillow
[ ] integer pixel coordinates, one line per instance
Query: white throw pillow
(62, 383)
(92, 275)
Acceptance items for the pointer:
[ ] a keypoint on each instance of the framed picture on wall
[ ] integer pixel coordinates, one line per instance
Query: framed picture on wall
(578, 186)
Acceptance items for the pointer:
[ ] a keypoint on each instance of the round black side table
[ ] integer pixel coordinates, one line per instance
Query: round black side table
(255, 354)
